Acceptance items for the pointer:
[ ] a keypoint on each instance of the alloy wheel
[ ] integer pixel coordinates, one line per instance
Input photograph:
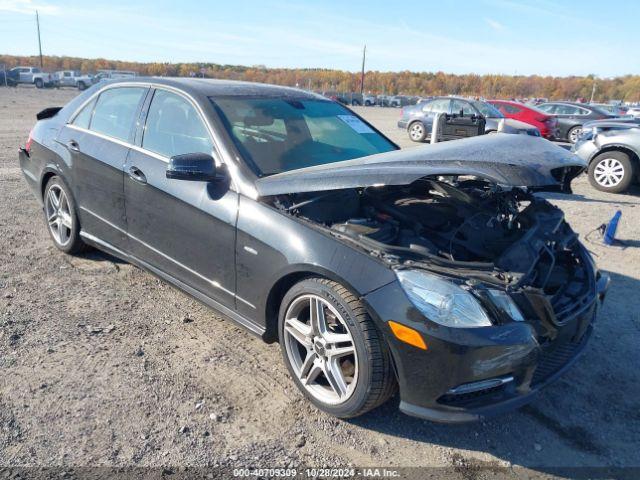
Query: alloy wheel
(574, 134)
(59, 219)
(609, 172)
(320, 349)
(416, 131)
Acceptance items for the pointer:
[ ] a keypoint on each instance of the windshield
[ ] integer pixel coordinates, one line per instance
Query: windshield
(487, 110)
(276, 135)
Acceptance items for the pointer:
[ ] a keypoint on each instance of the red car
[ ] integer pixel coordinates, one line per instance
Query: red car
(547, 124)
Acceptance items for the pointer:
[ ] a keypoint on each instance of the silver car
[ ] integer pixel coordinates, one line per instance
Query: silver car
(612, 150)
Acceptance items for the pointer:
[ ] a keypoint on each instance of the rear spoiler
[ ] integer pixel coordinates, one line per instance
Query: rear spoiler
(48, 113)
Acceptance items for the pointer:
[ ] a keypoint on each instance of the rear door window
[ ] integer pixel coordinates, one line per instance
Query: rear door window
(174, 127)
(115, 111)
(440, 105)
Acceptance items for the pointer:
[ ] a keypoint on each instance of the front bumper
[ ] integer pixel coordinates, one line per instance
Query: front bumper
(514, 352)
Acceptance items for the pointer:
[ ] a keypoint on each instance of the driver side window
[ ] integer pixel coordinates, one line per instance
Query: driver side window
(174, 127)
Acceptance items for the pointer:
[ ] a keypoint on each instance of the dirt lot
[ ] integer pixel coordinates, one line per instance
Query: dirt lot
(103, 364)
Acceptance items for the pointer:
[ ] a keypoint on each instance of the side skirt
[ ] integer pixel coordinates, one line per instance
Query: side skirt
(209, 302)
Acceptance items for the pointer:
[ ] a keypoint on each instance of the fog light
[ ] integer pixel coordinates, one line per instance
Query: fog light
(481, 385)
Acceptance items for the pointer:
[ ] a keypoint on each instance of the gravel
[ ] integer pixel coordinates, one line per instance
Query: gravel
(96, 371)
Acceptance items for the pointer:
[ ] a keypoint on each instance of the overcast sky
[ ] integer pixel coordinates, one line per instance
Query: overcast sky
(463, 36)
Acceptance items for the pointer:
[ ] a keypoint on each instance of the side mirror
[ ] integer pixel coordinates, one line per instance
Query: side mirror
(198, 167)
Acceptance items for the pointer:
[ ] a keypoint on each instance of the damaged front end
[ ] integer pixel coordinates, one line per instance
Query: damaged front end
(508, 247)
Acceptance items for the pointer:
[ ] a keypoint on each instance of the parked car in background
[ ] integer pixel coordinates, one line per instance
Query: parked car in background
(34, 76)
(113, 75)
(418, 119)
(547, 124)
(634, 111)
(376, 269)
(73, 78)
(368, 100)
(572, 116)
(9, 78)
(612, 151)
(617, 110)
(398, 101)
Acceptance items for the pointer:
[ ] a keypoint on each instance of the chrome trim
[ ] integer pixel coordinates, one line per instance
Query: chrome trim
(213, 283)
(252, 251)
(478, 386)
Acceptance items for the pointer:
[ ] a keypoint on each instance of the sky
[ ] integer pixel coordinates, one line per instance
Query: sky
(545, 37)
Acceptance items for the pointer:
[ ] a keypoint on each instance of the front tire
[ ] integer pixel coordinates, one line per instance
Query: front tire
(417, 132)
(574, 133)
(61, 217)
(39, 83)
(81, 86)
(332, 349)
(611, 172)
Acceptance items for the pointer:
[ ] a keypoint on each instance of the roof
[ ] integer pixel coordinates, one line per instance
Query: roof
(214, 87)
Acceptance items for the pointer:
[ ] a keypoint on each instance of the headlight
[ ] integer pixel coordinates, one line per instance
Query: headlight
(504, 302)
(442, 301)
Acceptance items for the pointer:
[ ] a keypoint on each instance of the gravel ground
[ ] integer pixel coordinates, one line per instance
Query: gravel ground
(101, 364)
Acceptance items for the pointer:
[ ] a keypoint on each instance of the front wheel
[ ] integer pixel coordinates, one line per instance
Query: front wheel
(39, 83)
(611, 172)
(332, 349)
(61, 217)
(417, 132)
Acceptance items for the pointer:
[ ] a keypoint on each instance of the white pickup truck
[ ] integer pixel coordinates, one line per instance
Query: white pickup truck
(73, 78)
(34, 76)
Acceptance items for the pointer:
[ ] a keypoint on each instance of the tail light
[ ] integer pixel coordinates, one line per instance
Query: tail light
(27, 146)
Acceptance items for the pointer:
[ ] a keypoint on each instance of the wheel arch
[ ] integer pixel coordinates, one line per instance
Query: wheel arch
(284, 283)
(633, 155)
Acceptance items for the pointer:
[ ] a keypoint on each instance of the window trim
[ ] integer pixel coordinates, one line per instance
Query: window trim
(144, 116)
(225, 156)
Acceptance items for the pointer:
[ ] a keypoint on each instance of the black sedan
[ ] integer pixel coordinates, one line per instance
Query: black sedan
(572, 116)
(436, 270)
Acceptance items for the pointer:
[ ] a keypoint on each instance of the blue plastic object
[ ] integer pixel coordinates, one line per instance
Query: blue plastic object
(610, 231)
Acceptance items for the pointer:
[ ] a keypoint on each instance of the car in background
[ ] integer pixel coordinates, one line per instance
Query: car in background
(418, 119)
(8, 78)
(634, 111)
(34, 76)
(617, 110)
(113, 75)
(73, 78)
(612, 150)
(547, 124)
(572, 116)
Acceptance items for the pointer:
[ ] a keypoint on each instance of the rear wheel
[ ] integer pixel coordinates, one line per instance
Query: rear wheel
(61, 217)
(611, 172)
(574, 133)
(39, 83)
(417, 132)
(81, 86)
(332, 349)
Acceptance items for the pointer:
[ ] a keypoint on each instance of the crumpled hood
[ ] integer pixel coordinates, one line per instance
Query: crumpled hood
(507, 160)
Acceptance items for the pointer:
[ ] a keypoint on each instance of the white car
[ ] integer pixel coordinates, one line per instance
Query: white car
(73, 78)
(34, 76)
(634, 112)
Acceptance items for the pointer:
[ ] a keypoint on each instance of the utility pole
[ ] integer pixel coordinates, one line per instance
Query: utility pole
(39, 42)
(364, 55)
(593, 91)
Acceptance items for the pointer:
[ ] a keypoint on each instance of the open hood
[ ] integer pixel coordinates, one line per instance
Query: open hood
(507, 160)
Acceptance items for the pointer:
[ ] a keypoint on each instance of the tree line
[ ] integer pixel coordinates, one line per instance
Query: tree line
(625, 88)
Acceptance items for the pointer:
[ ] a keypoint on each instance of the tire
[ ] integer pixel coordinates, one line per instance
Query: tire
(417, 131)
(574, 133)
(61, 217)
(611, 172)
(39, 83)
(365, 377)
(81, 86)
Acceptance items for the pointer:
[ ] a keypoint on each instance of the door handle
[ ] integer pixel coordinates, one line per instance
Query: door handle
(137, 174)
(73, 146)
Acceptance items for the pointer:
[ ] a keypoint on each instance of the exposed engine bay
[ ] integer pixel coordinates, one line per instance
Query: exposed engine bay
(508, 236)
